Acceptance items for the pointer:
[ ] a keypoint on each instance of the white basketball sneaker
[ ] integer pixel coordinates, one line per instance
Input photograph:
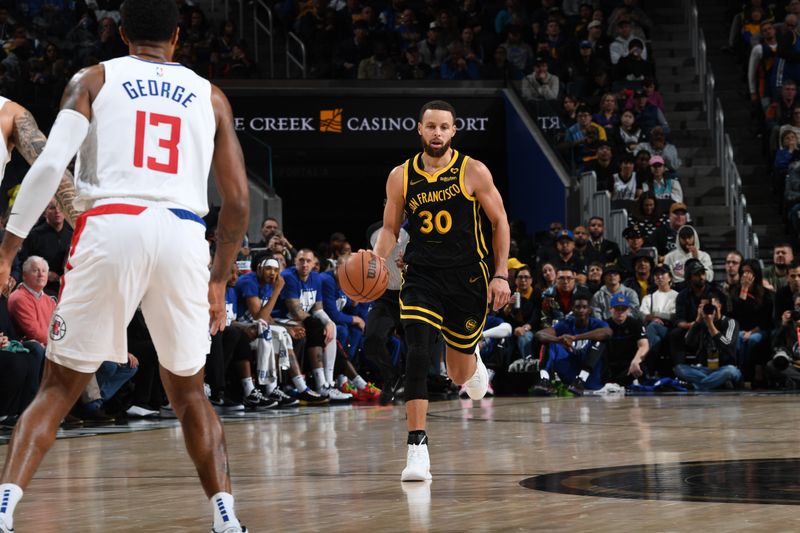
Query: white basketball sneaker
(478, 384)
(232, 529)
(4, 528)
(418, 464)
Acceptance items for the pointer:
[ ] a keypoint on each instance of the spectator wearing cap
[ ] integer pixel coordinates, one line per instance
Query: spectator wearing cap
(540, 84)
(708, 358)
(612, 284)
(687, 246)
(599, 41)
(658, 307)
(647, 115)
(641, 23)
(628, 345)
(557, 298)
(601, 249)
(635, 240)
(666, 236)
(565, 254)
(687, 304)
(431, 48)
(663, 188)
(583, 65)
(604, 166)
(520, 54)
(632, 69)
(457, 66)
(642, 279)
(625, 185)
(620, 47)
(413, 67)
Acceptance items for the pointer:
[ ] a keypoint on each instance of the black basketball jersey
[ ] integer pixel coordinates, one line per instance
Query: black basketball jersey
(445, 223)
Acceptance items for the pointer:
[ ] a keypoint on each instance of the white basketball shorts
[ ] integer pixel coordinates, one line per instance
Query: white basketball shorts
(124, 255)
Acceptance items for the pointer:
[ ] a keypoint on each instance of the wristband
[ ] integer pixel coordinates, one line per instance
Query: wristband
(504, 278)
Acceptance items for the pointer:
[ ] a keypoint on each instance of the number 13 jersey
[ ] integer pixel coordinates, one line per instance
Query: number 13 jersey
(151, 136)
(446, 225)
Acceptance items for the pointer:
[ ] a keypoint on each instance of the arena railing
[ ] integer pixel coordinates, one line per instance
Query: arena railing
(297, 59)
(746, 238)
(265, 26)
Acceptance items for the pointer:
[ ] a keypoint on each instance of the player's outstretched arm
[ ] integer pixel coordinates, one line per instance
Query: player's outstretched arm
(44, 176)
(29, 142)
(392, 214)
(480, 179)
(231, 179)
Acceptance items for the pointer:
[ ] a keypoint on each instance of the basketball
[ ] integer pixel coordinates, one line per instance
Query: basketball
(364, 277)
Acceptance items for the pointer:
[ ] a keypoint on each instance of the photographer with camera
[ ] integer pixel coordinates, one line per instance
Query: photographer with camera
(709, 360)
(784, 367)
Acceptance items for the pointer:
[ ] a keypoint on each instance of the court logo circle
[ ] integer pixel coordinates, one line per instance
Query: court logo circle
(471, 324)
(58, 328)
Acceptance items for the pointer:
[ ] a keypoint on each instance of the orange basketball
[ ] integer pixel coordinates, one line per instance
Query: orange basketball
(364, 277)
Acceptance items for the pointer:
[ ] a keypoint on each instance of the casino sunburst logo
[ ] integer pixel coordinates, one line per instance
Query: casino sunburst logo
(330, 120)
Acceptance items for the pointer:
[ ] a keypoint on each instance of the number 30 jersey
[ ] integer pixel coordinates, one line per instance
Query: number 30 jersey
(445, 224)
(151, 136)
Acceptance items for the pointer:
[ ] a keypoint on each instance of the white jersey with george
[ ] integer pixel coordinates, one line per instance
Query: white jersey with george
(166, 156)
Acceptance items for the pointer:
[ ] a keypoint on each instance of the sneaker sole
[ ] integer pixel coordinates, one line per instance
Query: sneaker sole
(415, 476)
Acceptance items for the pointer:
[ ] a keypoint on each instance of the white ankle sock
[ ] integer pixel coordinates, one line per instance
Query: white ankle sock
(10, 495)
(329, 360)
(584, 375)
(248, 386)
(544, 374)
(319, 378)
(299, 383)
(359, 383)
(271, 385)
(224, 515)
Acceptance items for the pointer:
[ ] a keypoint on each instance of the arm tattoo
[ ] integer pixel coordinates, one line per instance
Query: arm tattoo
(30, 142)
(295, 309)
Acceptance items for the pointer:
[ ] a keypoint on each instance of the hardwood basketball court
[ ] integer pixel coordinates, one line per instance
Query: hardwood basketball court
(719, 462)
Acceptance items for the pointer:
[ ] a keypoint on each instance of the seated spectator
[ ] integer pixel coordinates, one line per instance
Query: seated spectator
(787, 153)
(658, 145)
(473, 51)
(594, 277)
(110, 378)
(348, 54)
(378, 66)
(733, 261)
(627, 135)
(522, 313)
(658, 307)
(641, 24)
(785, 295)
(582, 250)
(565, 255)
(635, 241)
(654, 97)
(777, 274)
(408, 29)
(780, 111)
(574, 347)
(793, 124)
(665, 238)
(458, 67)
(625, 185)
(751, 27)
(647, 115)
(19, 381)
(520, 54)
(413, 68)
(751, 306)
(608, 117)
(602, 249)
(632, 69)
(557, 299)
(50, 240)
(599, 41)
(584, 66)
(500, 68)
(642, 280)
(30, 308)
(545, 278)
(604, 166)
(687, 246)
(628, 345)
(709, 360)
(612, 284)
(791, 197)
(663, 187)
(432, 48)
(688, 302)
(646, 217)
(641, 165)
(621, 45)
(540, 84)
(783, 367)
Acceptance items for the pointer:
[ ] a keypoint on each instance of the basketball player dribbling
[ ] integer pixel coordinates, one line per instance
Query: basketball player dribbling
(148, 131)
(447, 284)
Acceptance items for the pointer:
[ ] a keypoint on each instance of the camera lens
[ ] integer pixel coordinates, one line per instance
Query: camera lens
(709, 309)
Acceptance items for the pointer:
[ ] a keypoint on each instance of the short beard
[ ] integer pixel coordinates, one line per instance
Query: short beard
(430, 151)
